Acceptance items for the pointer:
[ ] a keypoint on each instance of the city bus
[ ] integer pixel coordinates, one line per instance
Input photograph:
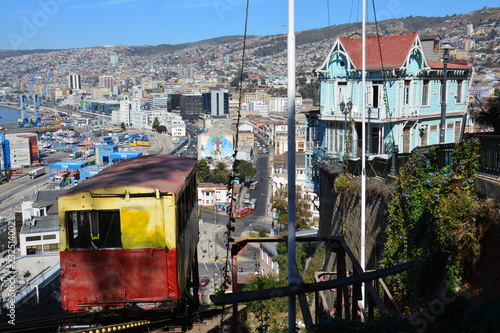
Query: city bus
(242, 212)
(254, 185)
(252, 203)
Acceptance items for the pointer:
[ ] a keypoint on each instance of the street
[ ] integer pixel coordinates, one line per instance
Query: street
(212, 254)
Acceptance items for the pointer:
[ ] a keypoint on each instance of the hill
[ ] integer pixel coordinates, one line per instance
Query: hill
(272, 44)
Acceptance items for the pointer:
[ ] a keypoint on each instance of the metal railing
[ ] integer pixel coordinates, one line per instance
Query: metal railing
(381, 167)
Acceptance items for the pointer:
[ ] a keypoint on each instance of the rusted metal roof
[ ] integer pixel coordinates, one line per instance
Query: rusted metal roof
(163, 172)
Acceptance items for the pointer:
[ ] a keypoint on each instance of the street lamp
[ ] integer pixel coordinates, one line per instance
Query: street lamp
(369, 139)
(345, 112)
(446, 47)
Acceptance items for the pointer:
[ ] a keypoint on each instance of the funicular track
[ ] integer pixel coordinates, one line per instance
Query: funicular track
(100, 322)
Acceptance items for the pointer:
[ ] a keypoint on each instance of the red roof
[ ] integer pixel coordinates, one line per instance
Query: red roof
(455, 65)
(164, 172)
(395, 50)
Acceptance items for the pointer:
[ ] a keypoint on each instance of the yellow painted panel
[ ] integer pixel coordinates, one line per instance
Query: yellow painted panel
(139, 229)
(169, 220)
(145, 222)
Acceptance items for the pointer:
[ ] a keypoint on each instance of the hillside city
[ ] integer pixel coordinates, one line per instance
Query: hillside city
(215, 64)
(188, 99)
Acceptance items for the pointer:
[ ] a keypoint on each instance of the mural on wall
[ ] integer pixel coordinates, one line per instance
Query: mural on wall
(219, 147)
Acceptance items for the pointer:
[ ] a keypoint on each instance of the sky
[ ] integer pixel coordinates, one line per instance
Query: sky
(63, 24)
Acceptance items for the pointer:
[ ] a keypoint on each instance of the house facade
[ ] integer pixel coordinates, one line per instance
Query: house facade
(403, 97)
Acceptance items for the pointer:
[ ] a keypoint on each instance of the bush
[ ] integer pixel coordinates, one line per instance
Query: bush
(342, 183)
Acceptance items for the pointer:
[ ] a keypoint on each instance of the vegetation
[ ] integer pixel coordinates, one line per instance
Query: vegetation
(237, 79)
(435, 217)
(280, 202)
(202, 170)
(270, 314)
(342, 183)
(156, 123)
(311, 90)
(245, 170)
(488, 115)
(220, 174)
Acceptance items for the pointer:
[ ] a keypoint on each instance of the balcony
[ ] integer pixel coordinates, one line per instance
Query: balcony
(331, 163)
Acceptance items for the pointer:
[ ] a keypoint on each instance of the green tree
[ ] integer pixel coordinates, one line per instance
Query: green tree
(269, 313)
(302, 212)
(161, 129)
(311, 90)
(156, 123)
(301, 80)
(245, 169)
(236, 81)
(220, 174)
(123, 126)
(202, 170)
(488, 115)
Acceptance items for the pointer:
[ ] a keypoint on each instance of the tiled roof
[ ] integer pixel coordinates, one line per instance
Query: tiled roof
(395, 50)
(454, 65)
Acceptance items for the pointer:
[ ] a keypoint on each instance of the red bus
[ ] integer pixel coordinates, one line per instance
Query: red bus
(242, 212)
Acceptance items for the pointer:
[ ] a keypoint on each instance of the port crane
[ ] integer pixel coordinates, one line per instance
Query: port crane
(38, 100)
(24, 121)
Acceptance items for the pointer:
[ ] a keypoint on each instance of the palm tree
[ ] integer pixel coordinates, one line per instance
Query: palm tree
(220, 174)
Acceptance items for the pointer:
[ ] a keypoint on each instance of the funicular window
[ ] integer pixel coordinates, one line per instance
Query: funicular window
(93, 229)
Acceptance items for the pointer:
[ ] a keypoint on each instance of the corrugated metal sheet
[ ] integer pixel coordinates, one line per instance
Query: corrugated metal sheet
(24, 145)
(164, 172)
(16, 140)
(20, 162)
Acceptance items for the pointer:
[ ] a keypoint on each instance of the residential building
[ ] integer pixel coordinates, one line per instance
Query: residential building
(403, 96)
(268, 251)
(75, 81)
(210, 194)
(40, 230)
(114, 59)
(403, 104)
(106, 81)
(279, 103)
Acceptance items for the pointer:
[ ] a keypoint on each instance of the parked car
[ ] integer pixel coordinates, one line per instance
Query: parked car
(247, 198)
(204, 281)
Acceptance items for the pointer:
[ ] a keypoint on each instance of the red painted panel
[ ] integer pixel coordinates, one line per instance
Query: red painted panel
(117, 277)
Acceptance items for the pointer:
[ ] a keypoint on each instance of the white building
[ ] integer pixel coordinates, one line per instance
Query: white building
(72, 100)
(40, 230)
(75, 81)
(279, 103)
(141, 120)
(210, 194)
(40, 235)
(130, 109)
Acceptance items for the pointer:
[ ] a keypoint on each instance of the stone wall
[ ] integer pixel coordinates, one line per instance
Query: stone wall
(341, 216)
